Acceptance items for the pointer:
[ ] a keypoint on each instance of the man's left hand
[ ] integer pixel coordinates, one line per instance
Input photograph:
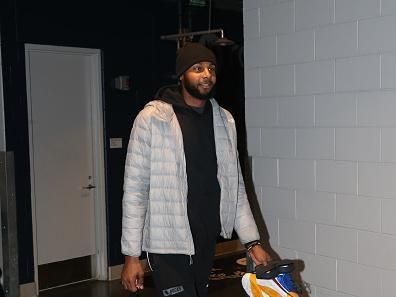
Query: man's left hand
(259, 255)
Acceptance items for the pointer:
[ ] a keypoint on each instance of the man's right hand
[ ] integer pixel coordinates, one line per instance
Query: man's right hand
(132, 274)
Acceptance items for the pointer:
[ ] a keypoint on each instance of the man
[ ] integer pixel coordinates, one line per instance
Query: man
(183, 185)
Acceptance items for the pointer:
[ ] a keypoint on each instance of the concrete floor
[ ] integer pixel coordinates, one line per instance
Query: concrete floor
(225, 282)
(225, 288)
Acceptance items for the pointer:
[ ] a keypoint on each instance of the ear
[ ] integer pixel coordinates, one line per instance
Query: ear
(181, 78)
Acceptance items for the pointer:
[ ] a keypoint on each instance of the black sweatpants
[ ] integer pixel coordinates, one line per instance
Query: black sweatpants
(182, 275)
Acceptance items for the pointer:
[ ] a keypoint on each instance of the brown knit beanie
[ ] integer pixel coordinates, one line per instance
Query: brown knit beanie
(190, 54)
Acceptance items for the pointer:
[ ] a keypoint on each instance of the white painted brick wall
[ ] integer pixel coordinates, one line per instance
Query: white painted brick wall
(321, 292)
(315, 206)
(264, 51)
(336, 176)
(336, 110)
(263, 111)
(254, 141)
(253, 83)
(249, 4)
(277, 142)
(376, 109)
(388, 70)
(388, 218)
(349, 10)
(297, 174)
(315, 77)
(313, 13)
(388, 7)
(251, 21)
(265, 172)
(297, 235)
(376, 249)
(336, 242)
(277, 80)
(358, 280)
(377, 180)
(358, 212)
(319, 270)
(277, 18)
(315, 143)
(321, 123)
(296, 111)
(272, 223)
(278, 202)
(358, 73)
(296, 47)
(339, 40)
(388, 283)
(375, 34)
(354, 144)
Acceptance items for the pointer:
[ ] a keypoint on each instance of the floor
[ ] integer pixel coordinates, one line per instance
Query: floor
(225, 282)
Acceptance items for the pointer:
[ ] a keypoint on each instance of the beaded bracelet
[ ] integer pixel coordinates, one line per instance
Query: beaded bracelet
(253, 244)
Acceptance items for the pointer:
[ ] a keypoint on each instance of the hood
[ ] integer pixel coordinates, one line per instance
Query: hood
(172, 95)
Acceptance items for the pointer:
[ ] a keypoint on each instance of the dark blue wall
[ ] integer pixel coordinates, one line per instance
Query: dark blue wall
(128, 34)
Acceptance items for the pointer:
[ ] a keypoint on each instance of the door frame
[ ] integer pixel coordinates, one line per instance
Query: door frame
(100, 265)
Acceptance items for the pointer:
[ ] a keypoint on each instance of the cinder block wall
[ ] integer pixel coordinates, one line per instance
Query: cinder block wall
(321, 122)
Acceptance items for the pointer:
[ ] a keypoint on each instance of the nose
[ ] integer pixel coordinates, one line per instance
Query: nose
(207, 72)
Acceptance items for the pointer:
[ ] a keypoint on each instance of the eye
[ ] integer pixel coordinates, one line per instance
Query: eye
(212, 69)
(197, 68)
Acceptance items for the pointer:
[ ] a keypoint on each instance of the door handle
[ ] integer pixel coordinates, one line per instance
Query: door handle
(89, 187)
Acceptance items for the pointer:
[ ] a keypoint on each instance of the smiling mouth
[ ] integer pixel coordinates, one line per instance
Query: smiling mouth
(206, 85)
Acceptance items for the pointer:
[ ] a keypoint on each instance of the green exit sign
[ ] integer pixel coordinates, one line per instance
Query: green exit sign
(200, 3)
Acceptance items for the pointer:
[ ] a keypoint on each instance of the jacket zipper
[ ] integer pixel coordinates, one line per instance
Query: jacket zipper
(191, 242)
(224, 121)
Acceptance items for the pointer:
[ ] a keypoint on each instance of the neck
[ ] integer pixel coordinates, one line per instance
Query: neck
(192, 101)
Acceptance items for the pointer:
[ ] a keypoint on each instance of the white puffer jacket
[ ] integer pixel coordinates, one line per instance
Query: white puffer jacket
(155, 184)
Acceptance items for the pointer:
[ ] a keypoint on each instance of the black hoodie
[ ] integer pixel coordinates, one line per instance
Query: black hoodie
(203, 198)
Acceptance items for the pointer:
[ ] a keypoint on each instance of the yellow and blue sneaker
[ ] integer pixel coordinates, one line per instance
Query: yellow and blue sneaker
(273, 280)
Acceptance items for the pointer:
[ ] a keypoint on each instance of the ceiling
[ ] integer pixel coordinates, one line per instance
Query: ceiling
(228, 4)
(235, 5)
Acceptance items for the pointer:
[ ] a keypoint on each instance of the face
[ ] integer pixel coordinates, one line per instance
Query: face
(199, 80)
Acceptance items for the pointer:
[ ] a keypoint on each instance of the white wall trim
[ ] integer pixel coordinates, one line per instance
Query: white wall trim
(27, 290)
(99, 169)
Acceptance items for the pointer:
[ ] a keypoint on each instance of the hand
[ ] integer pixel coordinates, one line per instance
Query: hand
(259, 255)
(132, 274)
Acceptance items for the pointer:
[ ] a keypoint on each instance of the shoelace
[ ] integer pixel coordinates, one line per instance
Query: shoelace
(287, 282)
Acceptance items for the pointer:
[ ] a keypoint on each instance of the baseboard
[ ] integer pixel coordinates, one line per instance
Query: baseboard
(27, 290)
(114, 272)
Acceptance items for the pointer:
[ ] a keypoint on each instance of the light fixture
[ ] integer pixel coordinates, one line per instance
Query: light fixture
(186, 37)
(182, 38)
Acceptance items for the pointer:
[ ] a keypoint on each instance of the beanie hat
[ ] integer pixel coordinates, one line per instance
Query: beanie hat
(190, 54)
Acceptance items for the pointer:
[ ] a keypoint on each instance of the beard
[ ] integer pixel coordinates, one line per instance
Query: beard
(196, 93)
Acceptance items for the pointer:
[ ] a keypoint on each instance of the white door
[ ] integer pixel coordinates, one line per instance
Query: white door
(64, 95)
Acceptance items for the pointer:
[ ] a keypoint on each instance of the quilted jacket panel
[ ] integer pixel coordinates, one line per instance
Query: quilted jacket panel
(155, 184)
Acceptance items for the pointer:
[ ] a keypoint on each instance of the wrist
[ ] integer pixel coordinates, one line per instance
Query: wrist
(131, 259)
(249, 246)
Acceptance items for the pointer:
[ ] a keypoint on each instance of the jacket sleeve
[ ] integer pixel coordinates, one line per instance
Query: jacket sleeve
(244, 225)
(136, 185)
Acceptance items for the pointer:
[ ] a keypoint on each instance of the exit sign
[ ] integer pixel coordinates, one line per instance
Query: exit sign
(198, 3)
